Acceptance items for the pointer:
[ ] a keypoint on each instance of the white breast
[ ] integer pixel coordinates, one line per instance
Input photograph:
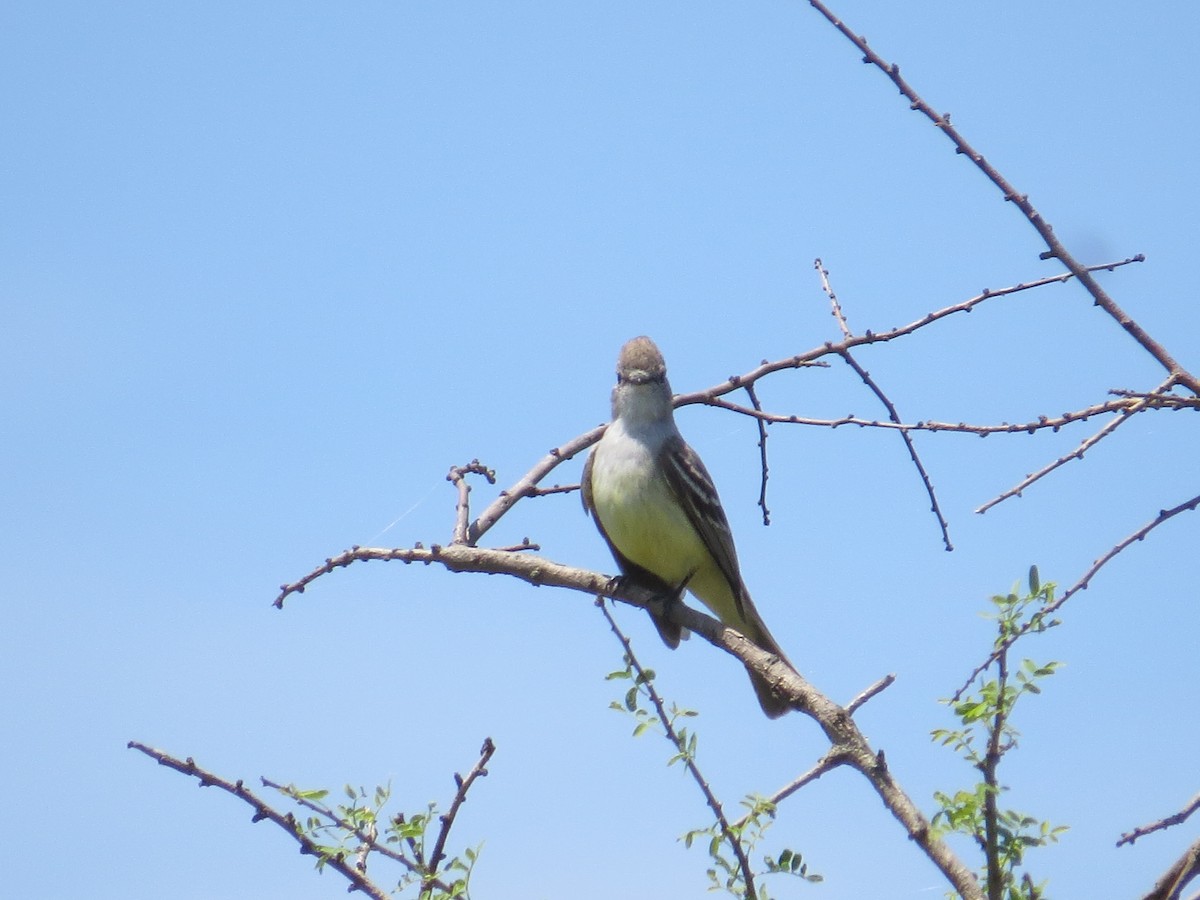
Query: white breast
(635, 506)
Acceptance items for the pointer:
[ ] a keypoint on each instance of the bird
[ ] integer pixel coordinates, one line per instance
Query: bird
(656, 507)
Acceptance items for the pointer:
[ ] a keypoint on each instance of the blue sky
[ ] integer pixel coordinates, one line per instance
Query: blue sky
(268, 271)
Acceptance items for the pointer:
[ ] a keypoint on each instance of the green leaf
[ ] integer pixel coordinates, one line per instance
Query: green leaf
(631, 699)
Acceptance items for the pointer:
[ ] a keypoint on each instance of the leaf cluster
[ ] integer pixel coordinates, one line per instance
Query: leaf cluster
(359, 826)
(986, 735)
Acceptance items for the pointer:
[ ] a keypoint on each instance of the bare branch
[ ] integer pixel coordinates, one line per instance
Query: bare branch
(1122, 405)
(479, 770)
(1055, 250)
(833, 300)
(1111, 426)
(1164, 823)
(262, 811)
(877, 688)
(883, 398)
(826, 763)
(762, 452)
(458, 477)
(527, 485)
(934, 507)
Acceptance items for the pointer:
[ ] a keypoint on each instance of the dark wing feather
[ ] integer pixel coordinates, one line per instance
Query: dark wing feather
(693, 488)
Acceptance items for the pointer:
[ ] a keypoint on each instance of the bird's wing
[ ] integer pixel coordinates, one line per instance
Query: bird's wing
(585, 486)
(693, 488)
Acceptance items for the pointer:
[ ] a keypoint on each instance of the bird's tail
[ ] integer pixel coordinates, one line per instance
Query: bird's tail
(756, 630)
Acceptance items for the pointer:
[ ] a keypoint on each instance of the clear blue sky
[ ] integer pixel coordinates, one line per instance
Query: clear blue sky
(268, 271)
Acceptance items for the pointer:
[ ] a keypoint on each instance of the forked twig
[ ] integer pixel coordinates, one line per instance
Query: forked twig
(1109, 427)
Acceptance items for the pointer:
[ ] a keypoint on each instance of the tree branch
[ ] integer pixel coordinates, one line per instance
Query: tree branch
(1170, 886)
(479, 770)
(1055, 248)
(1163, 823)
(847, 741)
(262, 810)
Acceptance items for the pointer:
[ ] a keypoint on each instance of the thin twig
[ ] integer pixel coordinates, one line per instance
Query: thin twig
(833, 300)
(1163, 823)
(262, 811)
(1055, 423)
(1112, 425)
(479, 770)
(870, 382)
(934, 506)
(1081, 585)
(814, 356)
(462, 511)
(672, 735)
(345, 825)
(529, 481)
(826, 763)
(762, 452)
(877, 688)
(1055, 248)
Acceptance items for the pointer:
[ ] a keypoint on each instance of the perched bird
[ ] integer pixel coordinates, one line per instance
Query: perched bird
(657, 508)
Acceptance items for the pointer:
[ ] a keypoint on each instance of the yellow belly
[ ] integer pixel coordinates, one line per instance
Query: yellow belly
(641, 517)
